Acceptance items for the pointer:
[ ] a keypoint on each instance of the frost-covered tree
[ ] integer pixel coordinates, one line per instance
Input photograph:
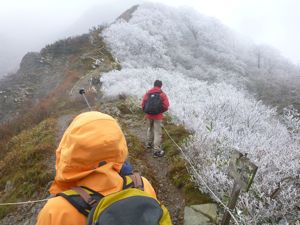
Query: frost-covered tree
(185, 41)
(223, 119)
(205, 69)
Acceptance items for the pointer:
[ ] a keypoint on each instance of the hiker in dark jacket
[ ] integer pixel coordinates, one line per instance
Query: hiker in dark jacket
(155, 118)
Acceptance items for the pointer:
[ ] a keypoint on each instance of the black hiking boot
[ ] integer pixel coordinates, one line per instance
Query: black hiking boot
(158, 153)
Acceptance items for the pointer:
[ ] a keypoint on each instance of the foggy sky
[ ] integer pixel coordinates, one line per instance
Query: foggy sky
(272, 22)
(28, 25)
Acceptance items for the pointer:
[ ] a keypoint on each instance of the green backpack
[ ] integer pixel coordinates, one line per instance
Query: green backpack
(130, 206)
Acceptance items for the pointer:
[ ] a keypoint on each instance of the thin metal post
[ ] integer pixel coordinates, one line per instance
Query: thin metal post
(232, 203)
(82, 92)
(87, 102)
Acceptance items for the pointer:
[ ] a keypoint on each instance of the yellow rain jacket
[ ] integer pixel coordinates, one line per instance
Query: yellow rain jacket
(91, 138)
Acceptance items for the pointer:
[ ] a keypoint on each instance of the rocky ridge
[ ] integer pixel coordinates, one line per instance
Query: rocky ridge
(58, 72)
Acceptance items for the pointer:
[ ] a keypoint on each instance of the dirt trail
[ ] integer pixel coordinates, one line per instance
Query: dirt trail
(156, 170)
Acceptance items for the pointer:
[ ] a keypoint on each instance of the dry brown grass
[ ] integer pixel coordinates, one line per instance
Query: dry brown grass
(24, 165)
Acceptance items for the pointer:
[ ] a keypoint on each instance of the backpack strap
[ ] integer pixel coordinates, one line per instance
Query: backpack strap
(157, 92)
(133, 181)
(137, 181)
(82, 198)
(85, 196)
(150, 93)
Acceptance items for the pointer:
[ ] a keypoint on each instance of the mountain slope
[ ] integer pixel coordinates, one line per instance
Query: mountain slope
(183, 40)
(209, 74)
(214, 81)
(22, 139)
(45, 88)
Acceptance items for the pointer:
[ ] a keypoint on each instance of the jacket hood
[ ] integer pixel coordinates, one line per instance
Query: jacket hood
(92, 148)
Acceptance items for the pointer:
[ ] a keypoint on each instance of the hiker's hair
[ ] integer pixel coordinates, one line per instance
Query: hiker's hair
(157, 83)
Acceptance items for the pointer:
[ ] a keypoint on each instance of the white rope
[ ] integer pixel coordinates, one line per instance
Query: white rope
(202, 180)
(23, 203)
(198, 175)
(186, 158)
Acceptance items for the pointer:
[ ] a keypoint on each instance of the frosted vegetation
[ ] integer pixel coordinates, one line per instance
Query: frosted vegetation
(209, 76)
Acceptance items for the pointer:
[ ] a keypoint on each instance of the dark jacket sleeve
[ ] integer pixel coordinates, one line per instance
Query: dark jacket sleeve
(165, 101)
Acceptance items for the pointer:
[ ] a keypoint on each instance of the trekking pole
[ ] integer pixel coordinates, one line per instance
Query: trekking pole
(82, 92)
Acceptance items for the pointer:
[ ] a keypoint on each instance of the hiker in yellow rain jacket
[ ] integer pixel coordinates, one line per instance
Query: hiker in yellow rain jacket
(91, 154)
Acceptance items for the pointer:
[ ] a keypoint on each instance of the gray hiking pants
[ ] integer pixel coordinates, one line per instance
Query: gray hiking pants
(154, 134)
